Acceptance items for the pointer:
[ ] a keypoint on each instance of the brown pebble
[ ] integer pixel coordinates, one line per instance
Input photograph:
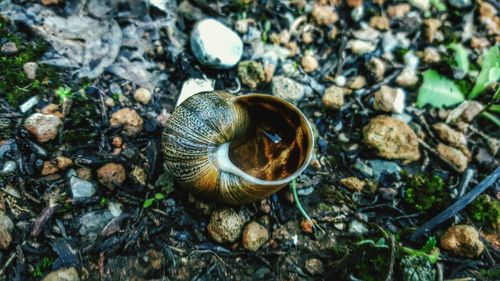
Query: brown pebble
(128, 118)
(63, 162)
(353, 183)
(111, 175)
(48, 168)
(462, 240)
(314, 266)
(379, 22)
(117, 142)
(254, 236)
(309, 63)
(333, 98)
(398, 11)
(324, 15)
(456, 157)
(307, 226)
(84, 173)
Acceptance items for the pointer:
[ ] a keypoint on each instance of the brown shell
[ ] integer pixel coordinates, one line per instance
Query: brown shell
(270, 142)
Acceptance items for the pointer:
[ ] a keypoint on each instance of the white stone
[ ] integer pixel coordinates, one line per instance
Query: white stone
(27, 105)
(193, 86)
(360, 47)
(81, 188)
(215, 45)
(411, 60)
(9, 167)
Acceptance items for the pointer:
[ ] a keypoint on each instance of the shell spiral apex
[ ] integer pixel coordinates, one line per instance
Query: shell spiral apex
(236, 149)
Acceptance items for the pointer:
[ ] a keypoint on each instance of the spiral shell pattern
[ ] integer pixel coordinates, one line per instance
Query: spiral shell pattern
(255, 167)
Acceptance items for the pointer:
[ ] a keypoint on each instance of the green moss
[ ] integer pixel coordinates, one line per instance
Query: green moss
(372, 266)
(15, 87)
(490, 274)
(486, 211)
(425, 193)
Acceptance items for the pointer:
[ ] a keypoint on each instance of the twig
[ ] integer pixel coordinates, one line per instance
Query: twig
(458, 205)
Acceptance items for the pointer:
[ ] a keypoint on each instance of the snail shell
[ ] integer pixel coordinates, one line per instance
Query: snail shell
(236, 149)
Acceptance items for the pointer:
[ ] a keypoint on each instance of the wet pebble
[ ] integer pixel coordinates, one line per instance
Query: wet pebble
(6, 228)
(30, 69)
(111, 175)
(254, 236)
(391, 139)
(63, 274)
(128, 118)
(43, 127)
(142, 95)
(9, 48)
(225, 225)
(287, 88)
(214, 44)
(377, 68)
(389, 99)
(9, 167)
(462, 240)
(324, 14)
(81, 188)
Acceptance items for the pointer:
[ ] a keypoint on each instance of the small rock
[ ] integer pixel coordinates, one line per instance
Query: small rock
(111, 175)
(309, 63)
(380, 167)
(407, 78)
(225, 225)
(460, 4)
(411, 60)
(377, 68)
(398, 11)
(462, 240)
(63, 162)
(391, 139)
(109, 102)
(387, 193)
(389, 99)
(42, 126)
(194, 86)
(30, 69)
(471, 110)
(333, 98)
(314, 266)
(84, 173)
(128, 118)
(6, 228)
(423, 5)
(48, 168)
(28, 105)
(81, 188)
(431, 55)
(215, 45)
(287, 88)
(324, 14)
(356, 82)
(357, 13)
(9, 48)
(353, 183)
(9, 167)
(479, 43)
(450, 135)
(307, 226)
(142, 95)
(379, 22)
(340, 80)
(49, 2)
(357, 228)
(360, 47)
(251, 73)
(254, 236)
(63, 274)
(456, 157)
(240, 25)
(432, 29)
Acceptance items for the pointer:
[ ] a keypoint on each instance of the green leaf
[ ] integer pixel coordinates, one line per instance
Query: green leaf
(490, 71)
(148, 203)
(438, 91)
(461, 56)
(159, 196)
(429, 245)
(439, 5)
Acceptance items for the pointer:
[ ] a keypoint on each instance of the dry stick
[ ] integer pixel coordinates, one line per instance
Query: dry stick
(458, 205)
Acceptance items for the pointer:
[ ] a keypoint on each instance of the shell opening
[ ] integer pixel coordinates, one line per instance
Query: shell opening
(277, 144)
